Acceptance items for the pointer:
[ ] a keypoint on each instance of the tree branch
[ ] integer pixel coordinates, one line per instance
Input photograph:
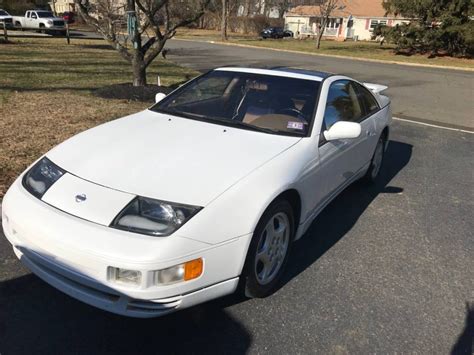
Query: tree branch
(108, 34)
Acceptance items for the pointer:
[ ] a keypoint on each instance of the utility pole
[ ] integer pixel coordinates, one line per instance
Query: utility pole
(224, 21)
(54, 8)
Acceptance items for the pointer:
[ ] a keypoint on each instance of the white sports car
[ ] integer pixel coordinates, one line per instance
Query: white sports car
(199, 195)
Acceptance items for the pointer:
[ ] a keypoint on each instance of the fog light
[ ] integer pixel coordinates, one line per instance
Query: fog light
(183, 272)
(129, 277)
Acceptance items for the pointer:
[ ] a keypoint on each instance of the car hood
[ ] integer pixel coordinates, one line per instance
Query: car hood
(166, 157)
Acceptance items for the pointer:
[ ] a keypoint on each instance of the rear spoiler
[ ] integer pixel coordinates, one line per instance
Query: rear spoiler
(375, 88)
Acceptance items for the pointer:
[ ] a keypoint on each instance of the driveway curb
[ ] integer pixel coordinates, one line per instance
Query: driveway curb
(333, 55)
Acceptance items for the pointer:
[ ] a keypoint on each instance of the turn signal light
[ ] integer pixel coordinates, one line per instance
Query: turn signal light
(193, 269)
(178, 273)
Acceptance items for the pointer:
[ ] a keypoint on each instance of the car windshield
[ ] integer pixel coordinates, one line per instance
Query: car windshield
(267, 103)
(44, 14)
(3, 13)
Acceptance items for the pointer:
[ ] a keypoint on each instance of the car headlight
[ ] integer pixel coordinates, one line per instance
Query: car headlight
(41, 177)
(153, 217)
(49, 22)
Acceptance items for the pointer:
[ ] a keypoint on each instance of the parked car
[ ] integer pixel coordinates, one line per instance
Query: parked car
(288, 33)
(200, 194)
(5, 19)
(69, 16)
(272, 32)
(40, 20)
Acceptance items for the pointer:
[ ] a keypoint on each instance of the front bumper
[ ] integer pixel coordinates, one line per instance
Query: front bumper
(72, 255)
(98, 295)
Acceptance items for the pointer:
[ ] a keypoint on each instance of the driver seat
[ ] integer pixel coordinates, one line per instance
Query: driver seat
(257, 104)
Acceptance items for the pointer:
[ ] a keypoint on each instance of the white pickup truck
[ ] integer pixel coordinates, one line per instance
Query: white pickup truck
(5, 19)
(40, 20)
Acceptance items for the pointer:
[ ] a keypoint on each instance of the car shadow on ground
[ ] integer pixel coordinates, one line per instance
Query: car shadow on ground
(342, 213)
(465, 342)
(34, 317)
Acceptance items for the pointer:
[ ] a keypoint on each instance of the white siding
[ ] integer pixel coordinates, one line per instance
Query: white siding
(360, 26)
(295, 24)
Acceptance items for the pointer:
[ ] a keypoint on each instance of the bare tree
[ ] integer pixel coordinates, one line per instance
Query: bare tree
(151, 24)
(326, 8)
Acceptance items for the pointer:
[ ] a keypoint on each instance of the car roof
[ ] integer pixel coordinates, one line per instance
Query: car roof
(282, 71)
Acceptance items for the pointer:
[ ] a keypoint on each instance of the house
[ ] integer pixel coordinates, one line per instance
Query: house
(352, 19)
(61, 6)
(271, 9)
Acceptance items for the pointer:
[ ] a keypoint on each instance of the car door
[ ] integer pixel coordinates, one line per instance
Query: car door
(341, 160)
(32, 20)
(369, 121)
(26, 21)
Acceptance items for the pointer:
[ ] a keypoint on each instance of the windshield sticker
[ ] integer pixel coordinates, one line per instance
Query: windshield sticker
(295, 125)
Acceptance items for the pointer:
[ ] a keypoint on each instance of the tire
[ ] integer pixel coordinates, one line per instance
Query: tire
(42, 28)
(376, 162)
(268, 251)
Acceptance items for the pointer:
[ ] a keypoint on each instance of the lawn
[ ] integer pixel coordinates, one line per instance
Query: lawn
(361, 49)
(46, 95)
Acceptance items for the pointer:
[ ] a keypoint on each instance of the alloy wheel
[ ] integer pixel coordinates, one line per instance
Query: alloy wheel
(272, 248)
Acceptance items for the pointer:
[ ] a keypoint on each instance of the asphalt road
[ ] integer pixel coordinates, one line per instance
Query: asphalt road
(384, 269)
(439, 96)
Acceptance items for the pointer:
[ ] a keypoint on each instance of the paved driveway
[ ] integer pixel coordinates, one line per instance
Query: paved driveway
(419, 93)
(385, 269)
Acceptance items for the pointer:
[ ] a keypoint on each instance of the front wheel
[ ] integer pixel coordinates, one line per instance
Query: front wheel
(376, 162)
(269, 250)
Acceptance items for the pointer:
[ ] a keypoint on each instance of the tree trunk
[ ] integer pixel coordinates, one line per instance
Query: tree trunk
(138, 60)
(318, 39)
(246, 8)
(139, 70)
(224, 21)
(321, 32)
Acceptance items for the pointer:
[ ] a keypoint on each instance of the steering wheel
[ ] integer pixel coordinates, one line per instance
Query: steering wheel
(291, 111)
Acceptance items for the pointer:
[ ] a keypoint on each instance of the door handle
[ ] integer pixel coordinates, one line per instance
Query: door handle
(370, 133)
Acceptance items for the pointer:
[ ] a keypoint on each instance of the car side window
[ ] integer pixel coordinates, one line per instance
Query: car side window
(342, 104)
(33, 15)
(368, 100)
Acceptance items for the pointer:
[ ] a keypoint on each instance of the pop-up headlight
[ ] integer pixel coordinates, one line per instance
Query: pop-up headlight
(153, 217)
(41, 177)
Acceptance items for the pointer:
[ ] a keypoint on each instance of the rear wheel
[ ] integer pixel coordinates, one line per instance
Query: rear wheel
(376, 162)
(269, 250)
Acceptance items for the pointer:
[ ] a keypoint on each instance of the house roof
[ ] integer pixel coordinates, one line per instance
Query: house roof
(358, 8)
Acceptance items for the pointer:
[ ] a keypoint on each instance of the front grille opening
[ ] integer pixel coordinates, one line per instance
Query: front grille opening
(103, 295)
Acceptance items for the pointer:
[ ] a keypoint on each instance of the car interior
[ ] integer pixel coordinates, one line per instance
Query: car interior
(277, 103)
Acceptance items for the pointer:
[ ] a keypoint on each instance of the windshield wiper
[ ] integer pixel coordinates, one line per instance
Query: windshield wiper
(254, 128)
(222, 120)
(239, 124)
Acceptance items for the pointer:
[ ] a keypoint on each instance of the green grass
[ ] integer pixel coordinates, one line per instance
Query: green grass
(361, 49)
(45, 64)
(46, 94)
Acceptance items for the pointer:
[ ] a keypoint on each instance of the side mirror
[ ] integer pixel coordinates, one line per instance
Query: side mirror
(160, 96)
(343, 130)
